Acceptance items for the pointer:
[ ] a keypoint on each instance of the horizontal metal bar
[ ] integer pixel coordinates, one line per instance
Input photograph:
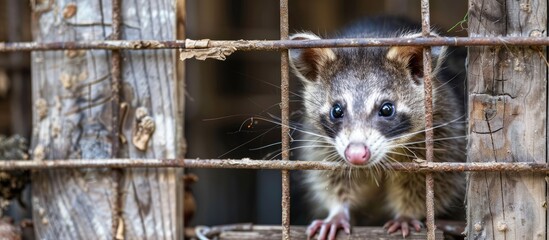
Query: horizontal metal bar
(269, 164)
(273, 45)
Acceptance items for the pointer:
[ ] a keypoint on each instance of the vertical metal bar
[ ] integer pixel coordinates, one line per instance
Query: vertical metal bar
(116, 78)
(285, 108)
(427, 81)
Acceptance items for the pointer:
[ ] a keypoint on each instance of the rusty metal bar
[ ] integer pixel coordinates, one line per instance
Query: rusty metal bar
(116, 82)
(8, 165)
(116, 76)
(275, 45)
(285, 118)
(429, 136)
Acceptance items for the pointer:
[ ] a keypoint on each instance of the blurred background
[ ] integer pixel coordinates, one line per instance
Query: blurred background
(223, 96)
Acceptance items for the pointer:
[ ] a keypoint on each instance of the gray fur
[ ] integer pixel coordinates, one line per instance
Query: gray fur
(370, 78)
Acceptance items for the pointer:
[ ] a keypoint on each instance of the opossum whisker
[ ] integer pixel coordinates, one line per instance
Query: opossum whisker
(299, 96)
(421, 148)
(352, 177)
(375, 173)
(404, 148)
(440, 146)
(313, 141)
(249, 141)
(385, 167)
(266, 146)
(391, 159)
(401, 154)
(260, 79)
(325, 125)
(292, 127)
(332, 156)
(434, 140)
(350, 174)
(424, 130)
(301, 147)
(293, 140)
(225, 117)
(279, 121)
(311, 146)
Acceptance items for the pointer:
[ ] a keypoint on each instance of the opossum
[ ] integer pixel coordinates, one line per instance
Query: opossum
(365, 107)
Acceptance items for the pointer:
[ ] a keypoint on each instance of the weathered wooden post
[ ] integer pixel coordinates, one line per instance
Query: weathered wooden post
(507, 117)
(81, 110)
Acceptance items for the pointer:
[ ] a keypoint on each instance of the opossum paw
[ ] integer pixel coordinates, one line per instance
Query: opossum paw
(329, 227)
(403, 224)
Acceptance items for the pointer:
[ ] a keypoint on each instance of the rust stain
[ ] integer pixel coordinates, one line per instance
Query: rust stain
(70, 10)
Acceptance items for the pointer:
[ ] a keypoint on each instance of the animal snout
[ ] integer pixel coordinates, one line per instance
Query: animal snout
(357, 154)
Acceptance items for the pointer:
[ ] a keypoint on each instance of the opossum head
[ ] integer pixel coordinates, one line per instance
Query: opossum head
(367, 102)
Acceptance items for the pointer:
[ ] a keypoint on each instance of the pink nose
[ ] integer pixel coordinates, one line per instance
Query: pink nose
(357, 154)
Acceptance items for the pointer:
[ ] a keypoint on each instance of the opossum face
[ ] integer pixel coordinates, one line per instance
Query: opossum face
(367, 102)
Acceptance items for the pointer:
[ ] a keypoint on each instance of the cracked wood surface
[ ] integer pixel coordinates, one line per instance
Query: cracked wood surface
(74, 90)
(507, 121)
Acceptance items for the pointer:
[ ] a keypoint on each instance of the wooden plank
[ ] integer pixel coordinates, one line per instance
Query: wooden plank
(298, 232)
(507, 121)
(73, 119)
(150, 195)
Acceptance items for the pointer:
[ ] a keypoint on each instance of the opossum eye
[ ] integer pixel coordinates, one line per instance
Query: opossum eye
(337, 111)
(387, 110)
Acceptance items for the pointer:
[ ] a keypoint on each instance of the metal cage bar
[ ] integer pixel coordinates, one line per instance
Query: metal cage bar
(429, 135)
(285, 119)
(116, 74)
(420, 166)
(116, 83)
(274, 45)
(284, 164)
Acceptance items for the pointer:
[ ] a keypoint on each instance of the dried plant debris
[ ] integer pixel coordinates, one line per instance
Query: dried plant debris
(143, 129)
(199, 49)
(12, 182)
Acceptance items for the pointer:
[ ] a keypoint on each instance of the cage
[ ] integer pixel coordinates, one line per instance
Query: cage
(110, 99)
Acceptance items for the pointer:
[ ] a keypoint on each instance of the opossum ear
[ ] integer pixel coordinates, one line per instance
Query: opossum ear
(308, 62)
(412, 57)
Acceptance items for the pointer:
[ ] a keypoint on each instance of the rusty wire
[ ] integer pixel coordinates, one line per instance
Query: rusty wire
(116, 76)
(417, 166)
(429, 134)
(285, 119)
(275, 45)
(116, 82)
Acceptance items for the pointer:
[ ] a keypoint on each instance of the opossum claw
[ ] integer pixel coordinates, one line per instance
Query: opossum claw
(403, 223)
(329, 227)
